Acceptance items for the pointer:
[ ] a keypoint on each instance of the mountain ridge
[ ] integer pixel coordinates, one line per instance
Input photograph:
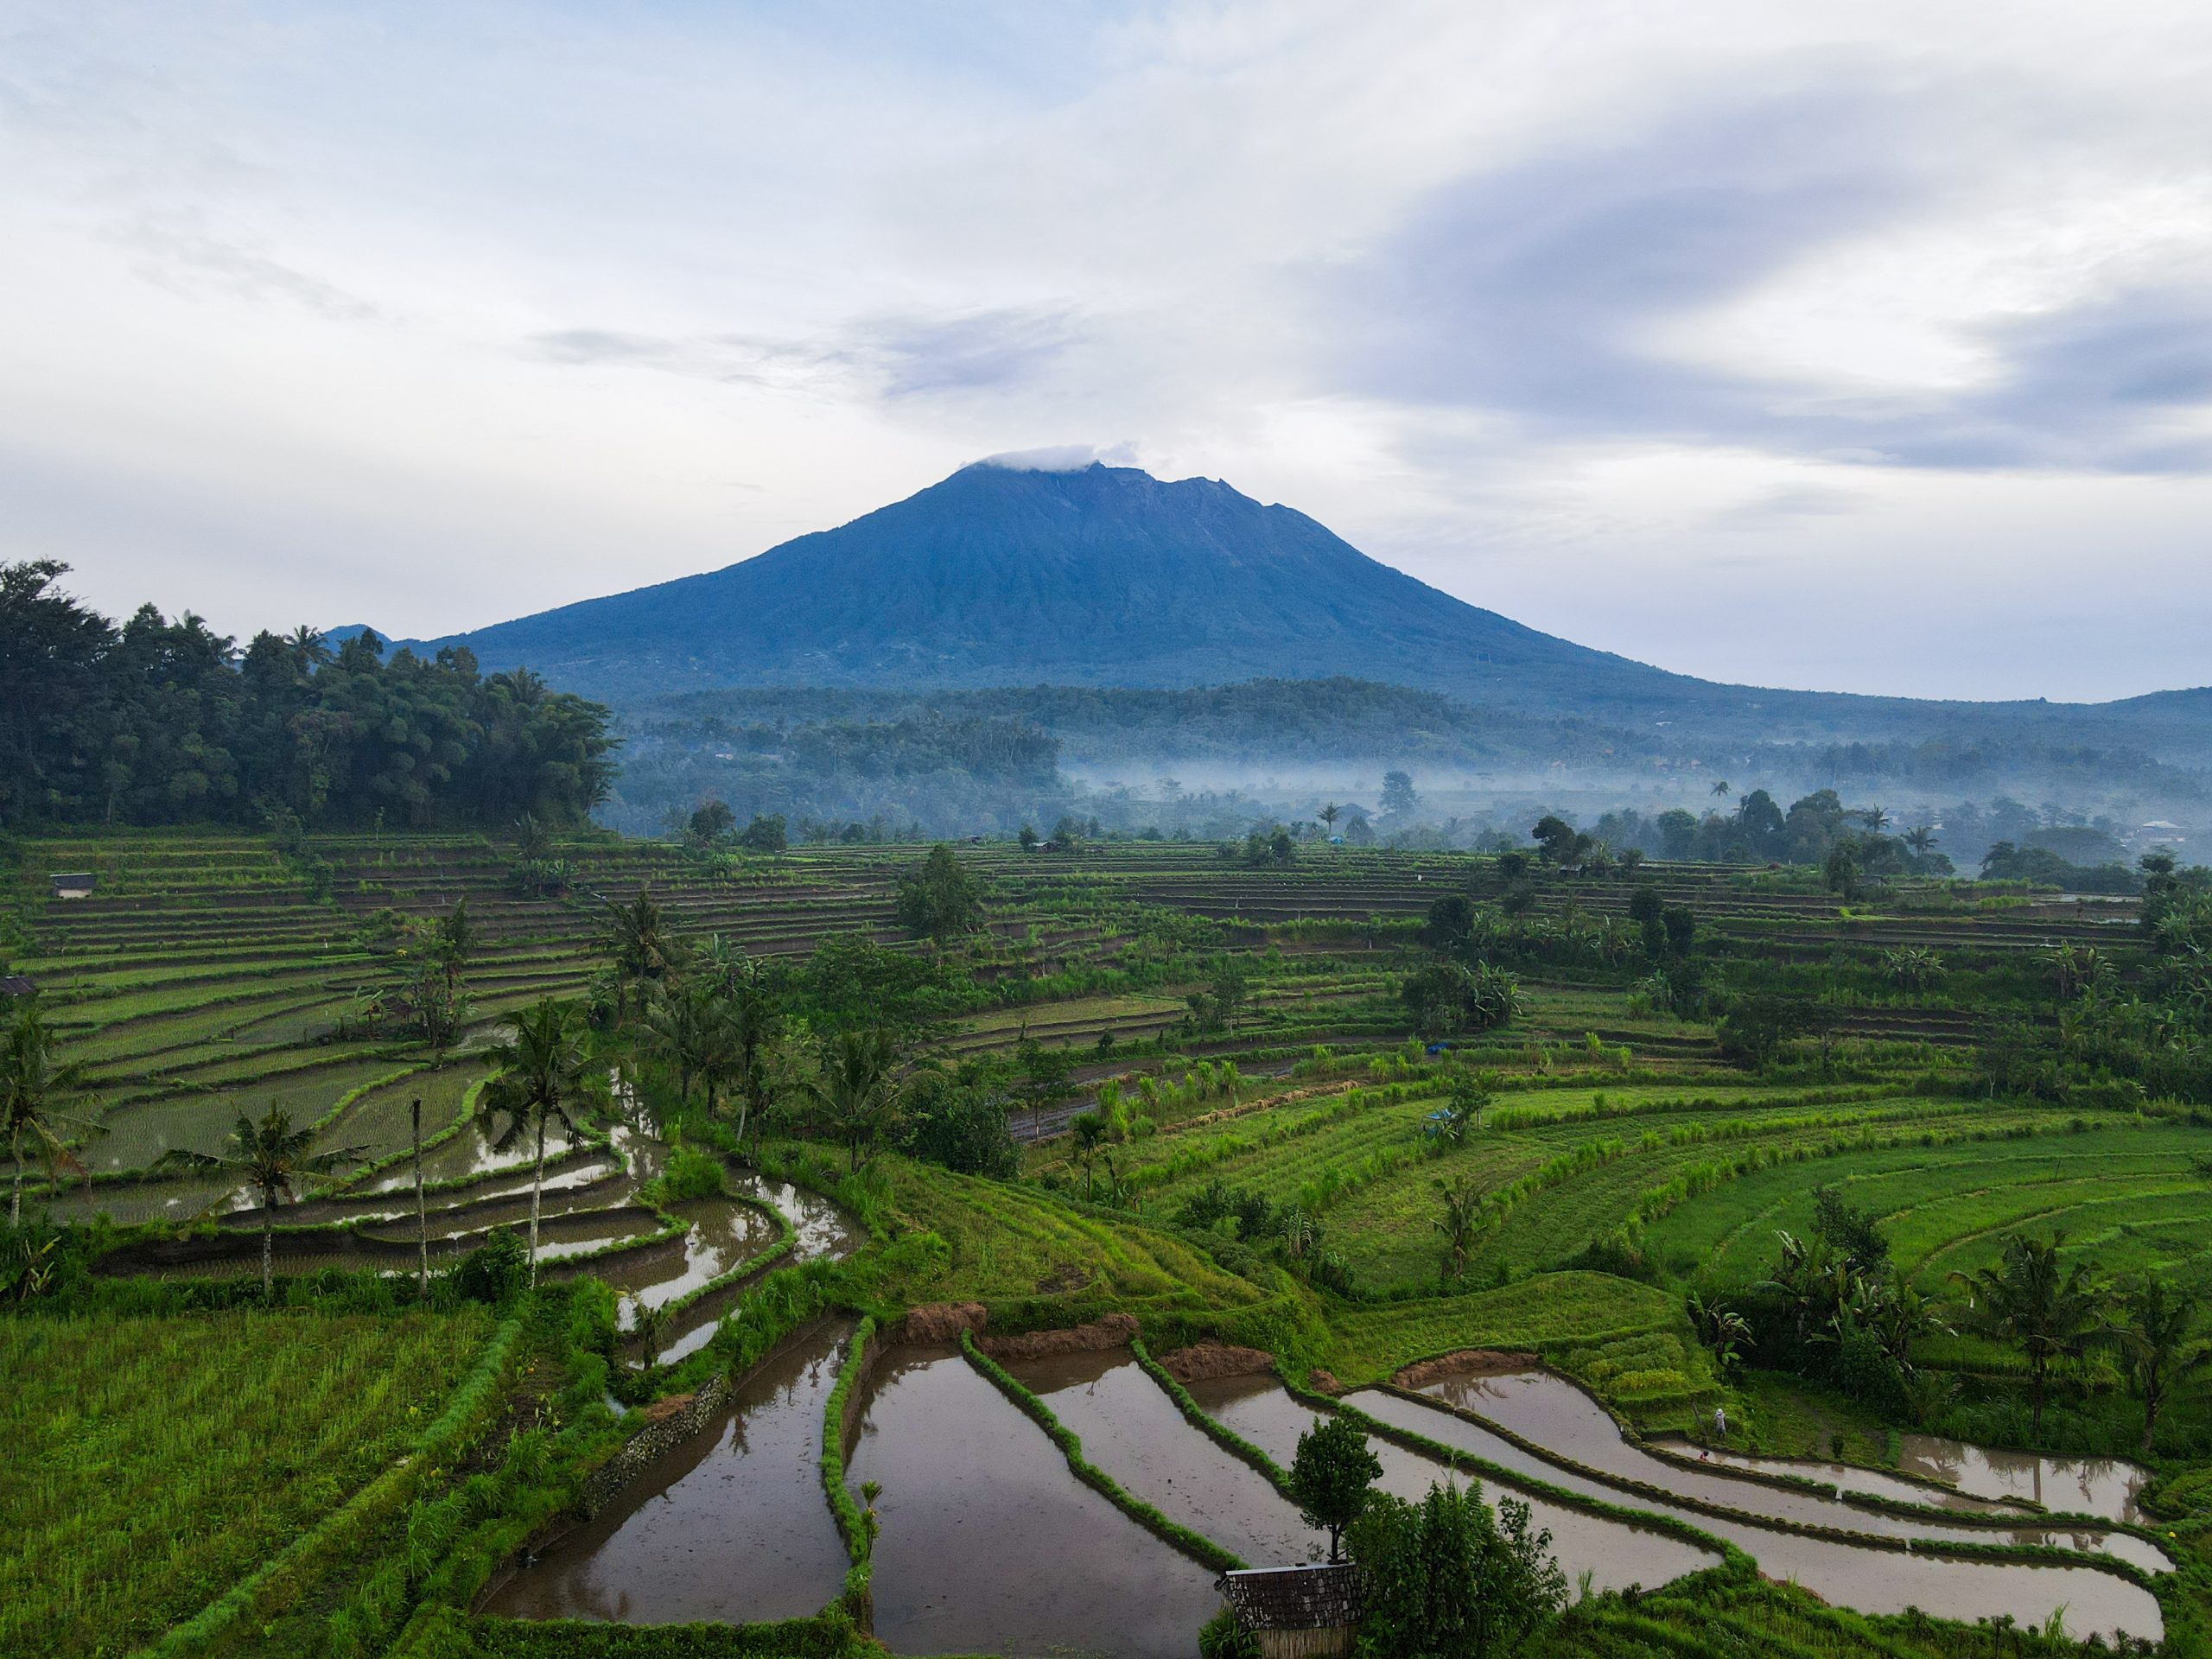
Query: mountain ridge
(1105, 575)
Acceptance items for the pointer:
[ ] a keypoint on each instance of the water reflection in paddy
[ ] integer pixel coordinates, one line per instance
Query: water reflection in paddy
(990, 1545)
(1132, 1430)
(1851, 1476)
(2101, 1486)
(1873, 1580)
(1614, 1553)
(731, 1526)
(1554, 1414)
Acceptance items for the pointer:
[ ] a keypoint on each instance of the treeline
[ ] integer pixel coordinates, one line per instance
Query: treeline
(1816, 828)
(1277, 719)
(156, 722)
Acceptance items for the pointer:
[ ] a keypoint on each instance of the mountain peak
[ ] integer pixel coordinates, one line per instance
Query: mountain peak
(1051, 565)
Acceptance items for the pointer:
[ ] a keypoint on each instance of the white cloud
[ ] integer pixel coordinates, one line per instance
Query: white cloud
(425, 316)
(1061, 458)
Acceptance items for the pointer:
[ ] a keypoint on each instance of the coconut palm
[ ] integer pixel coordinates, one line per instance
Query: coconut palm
(542, 1075)
(310, 647)
(34, 1089)
(637, 937)
(1089, 1130)
(855, 1091)
(756, 1022)
(272, 1157)
(2050, 1311)
(2160, 1344)
(1329, 815)
(688, 1029)
(1921, 838)
(1874, 818)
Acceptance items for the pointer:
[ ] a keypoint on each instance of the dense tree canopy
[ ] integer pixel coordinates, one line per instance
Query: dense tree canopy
(157, 721)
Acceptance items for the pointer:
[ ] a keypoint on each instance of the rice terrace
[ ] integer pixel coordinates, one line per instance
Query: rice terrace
(1168, 830)
(958, 1247)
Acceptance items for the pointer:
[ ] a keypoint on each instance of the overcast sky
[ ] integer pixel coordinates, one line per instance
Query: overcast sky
(1866, 348)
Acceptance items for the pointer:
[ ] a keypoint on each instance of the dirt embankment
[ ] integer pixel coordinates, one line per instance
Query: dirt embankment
(1468, 1362)
(939, 1322)
(1114, 1330)
(1209, 1360)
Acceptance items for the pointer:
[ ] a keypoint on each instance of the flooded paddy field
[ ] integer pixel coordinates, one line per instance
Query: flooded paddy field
(990, 1543)
(1554, 1413)
(732, 1526)
(1133, 1431)
(1614, 1553)
(1869, 1579)
(2102, 1486)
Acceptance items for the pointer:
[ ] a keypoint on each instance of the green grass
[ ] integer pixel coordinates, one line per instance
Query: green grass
(157, 1459)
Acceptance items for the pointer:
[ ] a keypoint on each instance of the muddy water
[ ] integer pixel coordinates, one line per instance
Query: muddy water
(1132, 1430)
(1871, 1581)
(723, 1233)
(819, 1229)
(1615, 1555)
(471, 1154)
(730, 1526)
(990, 1545)
(1559, 1416)
(2102, 1486)
(822, 1227)
(1851, 1477)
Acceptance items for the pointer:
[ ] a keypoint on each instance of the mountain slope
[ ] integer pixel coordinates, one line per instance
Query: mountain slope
(1108, 576)
(1103, 577)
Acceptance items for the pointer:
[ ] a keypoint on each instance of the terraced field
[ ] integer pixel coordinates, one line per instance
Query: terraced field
(1274, 1182)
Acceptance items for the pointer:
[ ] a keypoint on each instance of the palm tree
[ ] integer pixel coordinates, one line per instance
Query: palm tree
(2161, 1349)
(1921, 838)
(1329, 815)
(310, 647)
(1089, 1130)
(756, 1023)
(2050, 1311)
(272, 1157)
(644, 950)
(855, 1091)
(1461, 1223)
(1722, 789)
(547, 1070)
(33, 1090)
(688, 1029)
(1874, 818)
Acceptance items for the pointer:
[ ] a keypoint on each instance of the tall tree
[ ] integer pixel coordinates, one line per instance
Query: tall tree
(2048, 1311)
(272, 1157)
(637, 937)
(857, 1097)
(35, 1089)
(939, 899)
(751, 995)
(1332, 1478)
(2159, 1340)
(546, 1073)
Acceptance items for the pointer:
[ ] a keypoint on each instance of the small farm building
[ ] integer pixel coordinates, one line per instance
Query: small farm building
(1296, 1612)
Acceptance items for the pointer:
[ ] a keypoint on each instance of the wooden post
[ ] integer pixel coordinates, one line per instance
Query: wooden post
(421, 1214)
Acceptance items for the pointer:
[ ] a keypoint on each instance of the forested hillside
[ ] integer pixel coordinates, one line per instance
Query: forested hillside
(160, 721)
